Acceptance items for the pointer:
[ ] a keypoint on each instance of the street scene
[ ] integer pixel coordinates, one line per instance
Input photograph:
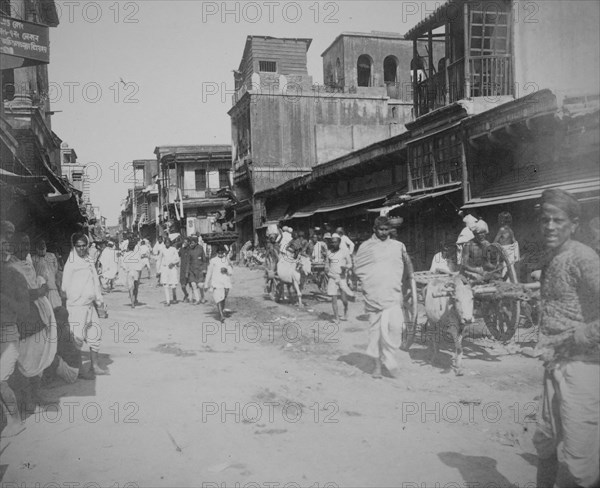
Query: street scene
(294, 244)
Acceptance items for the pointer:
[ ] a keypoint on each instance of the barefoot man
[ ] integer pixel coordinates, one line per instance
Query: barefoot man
(380, 264)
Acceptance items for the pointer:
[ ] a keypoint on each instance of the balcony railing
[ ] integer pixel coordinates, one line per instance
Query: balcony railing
(188, 193)
(485, 76)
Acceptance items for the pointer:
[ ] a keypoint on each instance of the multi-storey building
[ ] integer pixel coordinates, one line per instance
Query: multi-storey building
(34, 196)
(496, 123)
(283, 125)
(194, 186)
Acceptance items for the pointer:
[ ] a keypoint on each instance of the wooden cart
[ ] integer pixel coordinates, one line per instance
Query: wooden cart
(499, 301)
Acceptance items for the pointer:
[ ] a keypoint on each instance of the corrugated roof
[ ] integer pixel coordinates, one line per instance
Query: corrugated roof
(529, 183)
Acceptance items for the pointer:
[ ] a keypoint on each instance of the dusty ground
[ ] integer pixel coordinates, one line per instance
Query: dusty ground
(277, 396)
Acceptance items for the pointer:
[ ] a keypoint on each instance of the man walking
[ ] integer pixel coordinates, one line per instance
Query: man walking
(380, 265)
(184, 260)
(337, 265)
(568, 435)
(197, 270)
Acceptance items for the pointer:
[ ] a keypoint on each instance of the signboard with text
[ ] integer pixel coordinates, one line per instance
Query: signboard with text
(25, 40)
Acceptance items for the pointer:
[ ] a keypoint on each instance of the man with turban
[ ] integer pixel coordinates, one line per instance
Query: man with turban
(568, 434)
(380, 264)
(476, 262)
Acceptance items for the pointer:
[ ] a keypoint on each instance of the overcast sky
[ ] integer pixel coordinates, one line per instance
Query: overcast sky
(126, 77)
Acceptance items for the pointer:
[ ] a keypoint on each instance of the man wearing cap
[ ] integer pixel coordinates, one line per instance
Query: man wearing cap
(568, 434)
(380, 264)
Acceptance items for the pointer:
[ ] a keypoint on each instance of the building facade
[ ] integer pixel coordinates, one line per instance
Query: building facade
(283, 125)
(495, 125)
(194, 186)
(34, 195)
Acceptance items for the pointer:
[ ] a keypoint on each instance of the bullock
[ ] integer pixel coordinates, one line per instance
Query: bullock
(449, 307)
(290, 272)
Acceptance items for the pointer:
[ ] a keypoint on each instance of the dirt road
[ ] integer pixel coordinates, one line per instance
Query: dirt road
(278, 396)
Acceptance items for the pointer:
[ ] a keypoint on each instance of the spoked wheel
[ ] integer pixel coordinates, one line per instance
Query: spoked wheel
(502, 315)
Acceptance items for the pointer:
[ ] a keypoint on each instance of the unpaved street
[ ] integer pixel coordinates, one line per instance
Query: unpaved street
(276, 396)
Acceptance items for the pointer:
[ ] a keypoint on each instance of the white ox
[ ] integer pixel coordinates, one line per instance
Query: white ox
(449, 307)
(289, 272)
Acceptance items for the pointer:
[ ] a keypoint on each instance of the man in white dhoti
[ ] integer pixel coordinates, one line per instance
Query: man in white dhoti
(380, 264)
(82, 287)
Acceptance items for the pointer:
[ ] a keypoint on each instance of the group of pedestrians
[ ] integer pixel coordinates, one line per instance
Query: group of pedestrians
(47, 316)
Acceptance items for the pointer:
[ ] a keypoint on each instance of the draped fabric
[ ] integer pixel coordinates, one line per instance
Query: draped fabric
(37, 351)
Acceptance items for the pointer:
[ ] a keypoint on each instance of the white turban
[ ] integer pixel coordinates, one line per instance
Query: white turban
(480, 227)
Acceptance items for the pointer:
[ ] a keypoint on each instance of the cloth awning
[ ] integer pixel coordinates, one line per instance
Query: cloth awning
(347, 201)
(39, 183)
(522, 184)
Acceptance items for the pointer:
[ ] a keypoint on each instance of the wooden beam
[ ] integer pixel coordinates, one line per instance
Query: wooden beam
(415, 81)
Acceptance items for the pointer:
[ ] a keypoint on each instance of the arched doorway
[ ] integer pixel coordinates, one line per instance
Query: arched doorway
(363, 70)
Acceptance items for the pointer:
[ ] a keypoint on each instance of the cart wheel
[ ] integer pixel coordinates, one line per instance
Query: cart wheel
(502, 315)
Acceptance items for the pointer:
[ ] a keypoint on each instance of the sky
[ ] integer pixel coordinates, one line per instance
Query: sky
(128, 76)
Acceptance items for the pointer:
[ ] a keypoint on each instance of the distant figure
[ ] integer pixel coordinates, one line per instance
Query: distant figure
(197, 270)
(184, 267)
(109, 261)
(145, 252)
(169, 276)
(218, 277)
(337, 265)
(133, 265)
(506, 238)
(157, 250)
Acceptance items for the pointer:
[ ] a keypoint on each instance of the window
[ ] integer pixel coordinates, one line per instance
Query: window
(200, 175)
(138, 176)
(390, 67)
(267, 66)
(223, 178)
(435, 161)
(76, 176)
(8, 84)
(363, 70)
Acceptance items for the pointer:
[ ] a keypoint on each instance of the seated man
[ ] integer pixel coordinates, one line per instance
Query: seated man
(445, 260)
(479, 260)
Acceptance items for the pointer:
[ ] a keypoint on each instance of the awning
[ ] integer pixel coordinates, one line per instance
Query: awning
(347, 201)
(36, 183)
(277, 211)
(404, 198)
(520, 185)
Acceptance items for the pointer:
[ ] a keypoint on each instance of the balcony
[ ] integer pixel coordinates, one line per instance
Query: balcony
(189, 193)
(476, 59)
(485, 76)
